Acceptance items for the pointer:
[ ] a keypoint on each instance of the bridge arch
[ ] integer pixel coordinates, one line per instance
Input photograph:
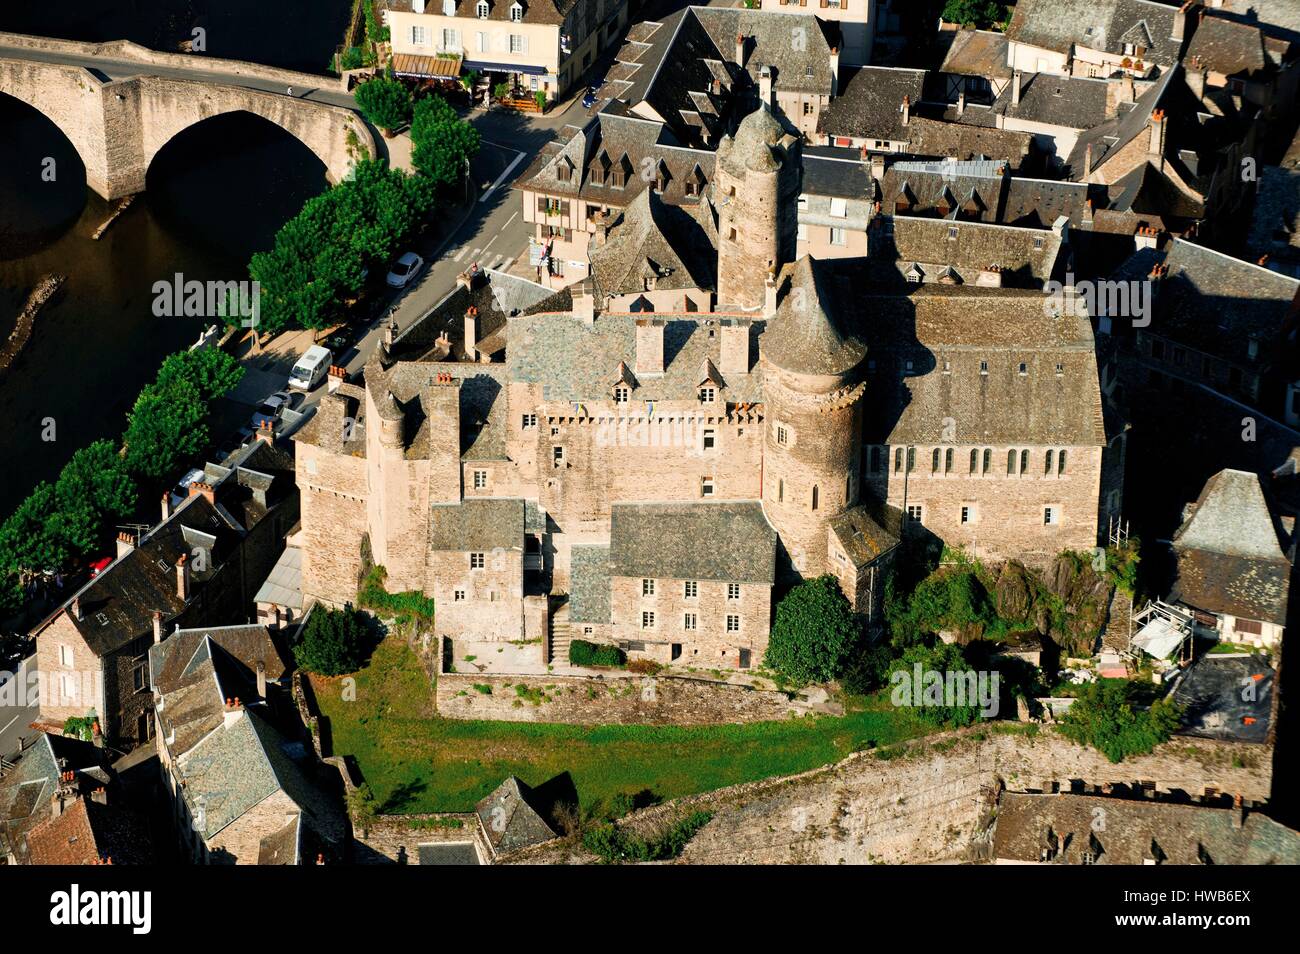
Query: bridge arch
(118, 126)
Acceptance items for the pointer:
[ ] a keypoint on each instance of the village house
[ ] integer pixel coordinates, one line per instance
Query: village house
(710, 385)
(856, 20)
(1274, 238)
(200, 565)
(1098, 37)
(244, 787)
(539, 47)
(1233, 558)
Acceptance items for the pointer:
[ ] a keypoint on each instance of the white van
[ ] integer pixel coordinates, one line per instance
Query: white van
(311, 368)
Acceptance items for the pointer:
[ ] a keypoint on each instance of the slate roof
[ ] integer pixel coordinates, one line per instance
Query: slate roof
(730, 542)
(756, 144)
(836, 172)
(283, 586)
(793, 45)
(975, 53)
(89, 833)
(1230, 558)
(900, 244)
(281, 847)
(965, 325)
(870, 105)
(1214, 701)
(572, 361)
(984, 191)
(550, 12)
(1215, 303)
(413, 388)
(478, 524)
(1182, 834)
(589, 594)
(447, 853)
(1277, 18)
(510, 820)
(932, 137)
(1075, 102)
(654, 239)
(26, 791)
(863, 539)
(1105, 25)
(805, 337)
(1275, 223)
(1231, 48)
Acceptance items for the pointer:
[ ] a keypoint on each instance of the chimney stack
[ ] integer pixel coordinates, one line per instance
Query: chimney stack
(765, 86)
(1015, 88)
(157, 626)
(1146, 237)
(125, 544)
(877, 166)
(990, 277)
(1194, 76)
(266, 432)
(336, 376)
(166, 506)
(835, 70)
(734, 353)
(183, 578)
(769, 294)
(205, 489)
(1180, 21)
(1087, 160)
(961, 102)
(906, 109)
(74, 609)
(471, 333)
(1156, 149)
(740, 49)
(261, 679)
(649, 347)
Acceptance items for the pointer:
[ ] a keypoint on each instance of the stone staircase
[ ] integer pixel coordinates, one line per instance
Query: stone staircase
(559, 636)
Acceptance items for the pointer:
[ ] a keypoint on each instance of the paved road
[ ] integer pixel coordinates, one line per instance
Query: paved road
(17, 709)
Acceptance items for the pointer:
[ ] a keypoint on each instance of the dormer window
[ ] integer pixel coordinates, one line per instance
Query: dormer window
(707, 394)
(621, 394)
(482, 9)
(516, 12)
(448, 8)
(564, 169)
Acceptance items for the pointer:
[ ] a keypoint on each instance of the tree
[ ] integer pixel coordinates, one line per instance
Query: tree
(443, 143)
(815, 630)
(212, 372)
(976, 13)
(385, 102)
(1104, 716)
(363, 807)
(940, 666)
(164, 428)
(29, 539)
(333, 642)
(98, 476)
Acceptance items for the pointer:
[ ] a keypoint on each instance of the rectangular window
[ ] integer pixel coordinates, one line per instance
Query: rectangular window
(1051, 516)
(419, 35)
(140, 677)
(477, 561)
(480, 42)
(647, 587)
(557, 454)
(839, 207)
(65, 656)
(480, 479)
(689, 621)
(839, 237)
(733, 591)
(621, 394)
(458, 596)
(690, 590)
(517, 44)
(733, 623)
(451, 40)
(1250, 627)
(966, 514)
(530, 421)
(648, 619)
(914, 513)
(782, 435)
(706, 486)
(710, 439)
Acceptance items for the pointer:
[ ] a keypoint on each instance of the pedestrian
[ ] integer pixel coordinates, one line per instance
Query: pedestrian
(290, 90)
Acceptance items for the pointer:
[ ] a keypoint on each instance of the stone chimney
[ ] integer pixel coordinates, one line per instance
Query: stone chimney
(734, 353)
(261, 679)
(157, 626)
(166, 506)
(906, 109)
(835, 70)
(649, 347)
(769, 294)
(765, 86)
(199, 488)
(183, 578)
(1087, 160)
(1146, 237)
(471, 333)
(233, 708)
(961, 102)
(1238, 812)
(1156, 149)
(1015, 88)
(1180, 21)
(1194, 76)
(990, 277)
(1087, 213)
(877, 166)
(125, 544)
(266, 432)
(584, 302)
(334, 378)
(740, 49)
(467, 278)
(74, 609)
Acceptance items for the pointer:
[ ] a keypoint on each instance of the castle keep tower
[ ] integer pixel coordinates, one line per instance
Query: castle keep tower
(756, 189)
(812, 446)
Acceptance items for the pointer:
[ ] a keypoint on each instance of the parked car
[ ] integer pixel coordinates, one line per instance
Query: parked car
(99, 566)
(311, 368)
(404, 269)
(182, 488)
(589, 100)
(270, 410)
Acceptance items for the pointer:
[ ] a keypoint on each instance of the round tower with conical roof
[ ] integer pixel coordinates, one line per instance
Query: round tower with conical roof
(812, 390)
(756, 190)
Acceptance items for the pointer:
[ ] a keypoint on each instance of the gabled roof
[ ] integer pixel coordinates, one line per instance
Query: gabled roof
(90, 833)
(731, 542)
(1104, 25)
(870, 105)
(1231, 48)
(655, 240)
(510, 820)
(863, 539)
(478, 524)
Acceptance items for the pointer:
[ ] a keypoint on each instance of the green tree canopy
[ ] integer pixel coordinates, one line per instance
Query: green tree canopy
(385, 102)
(333, 642)
(1105, 716)
(165, 426)
(815, 630)
(443, 143)
(942, 666)
(29, 539)
(212, 372)
(976, 13)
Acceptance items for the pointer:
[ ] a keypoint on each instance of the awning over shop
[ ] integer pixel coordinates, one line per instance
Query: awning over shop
(505, 68)
(443, 66)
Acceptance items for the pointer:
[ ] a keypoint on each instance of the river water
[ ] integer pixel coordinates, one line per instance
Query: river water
(215, 194)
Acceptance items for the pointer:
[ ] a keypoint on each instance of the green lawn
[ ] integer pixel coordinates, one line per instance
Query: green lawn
(417, 762)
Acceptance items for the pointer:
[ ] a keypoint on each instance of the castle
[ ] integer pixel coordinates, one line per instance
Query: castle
(701, 420)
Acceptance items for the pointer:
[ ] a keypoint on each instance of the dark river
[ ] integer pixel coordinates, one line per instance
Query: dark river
(216, 194)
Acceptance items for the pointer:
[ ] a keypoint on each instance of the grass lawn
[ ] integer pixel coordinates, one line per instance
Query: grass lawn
(417, 762)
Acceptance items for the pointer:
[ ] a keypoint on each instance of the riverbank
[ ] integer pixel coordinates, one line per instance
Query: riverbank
(46, 289)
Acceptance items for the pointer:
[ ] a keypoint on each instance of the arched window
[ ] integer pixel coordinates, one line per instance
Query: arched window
(1060, 461)
(988, 459)
(947, 461)
(974, 457)
(1047, 464)
(1024, 462)
(898, 459)
(814, 497)
(934, 461)
(911, 459)
(1011, 462)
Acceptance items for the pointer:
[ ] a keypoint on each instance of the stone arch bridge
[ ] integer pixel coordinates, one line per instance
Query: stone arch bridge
(118, 125)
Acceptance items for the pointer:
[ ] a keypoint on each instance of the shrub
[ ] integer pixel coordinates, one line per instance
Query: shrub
(814, 632)
(645, 667)
(333, 642)
(409, 606)
(976, 13)
(1104, 716)
(943, 659)
(612, 844)
(583, 653)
